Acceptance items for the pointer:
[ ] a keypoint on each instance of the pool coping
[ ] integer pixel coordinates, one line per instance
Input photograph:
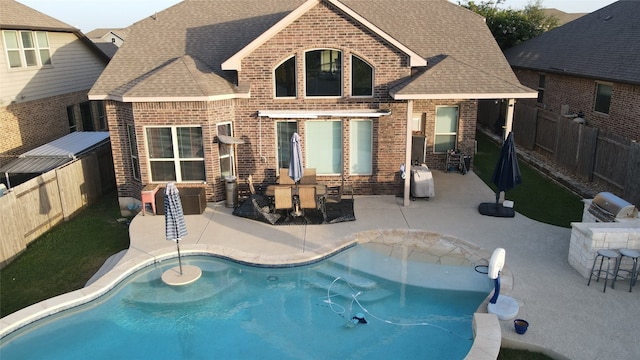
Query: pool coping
(425, 245)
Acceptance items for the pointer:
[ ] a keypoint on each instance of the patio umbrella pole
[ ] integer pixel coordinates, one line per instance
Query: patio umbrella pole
(179, 259)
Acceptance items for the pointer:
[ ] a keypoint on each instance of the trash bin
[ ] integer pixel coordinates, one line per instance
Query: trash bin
(231, 187)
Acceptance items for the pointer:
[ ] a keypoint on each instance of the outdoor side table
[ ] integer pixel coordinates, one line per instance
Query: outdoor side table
(148, 195)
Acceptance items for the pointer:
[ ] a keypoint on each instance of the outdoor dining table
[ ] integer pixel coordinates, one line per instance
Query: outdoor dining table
(321, 189)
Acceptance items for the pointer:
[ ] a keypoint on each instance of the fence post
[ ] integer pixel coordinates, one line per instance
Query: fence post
(632, 179)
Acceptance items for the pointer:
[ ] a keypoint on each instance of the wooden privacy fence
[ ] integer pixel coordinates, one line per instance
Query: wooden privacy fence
(34, 207)
(593, 155)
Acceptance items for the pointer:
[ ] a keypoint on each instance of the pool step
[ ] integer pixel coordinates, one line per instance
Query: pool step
(355, 280)
(159, 293)
(341, 289)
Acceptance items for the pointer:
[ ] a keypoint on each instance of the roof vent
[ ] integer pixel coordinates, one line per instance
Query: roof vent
(607, 18)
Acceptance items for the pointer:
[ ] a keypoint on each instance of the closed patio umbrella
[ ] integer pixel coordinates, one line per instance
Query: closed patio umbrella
(175, 226)
(506, 176)
(296, 168)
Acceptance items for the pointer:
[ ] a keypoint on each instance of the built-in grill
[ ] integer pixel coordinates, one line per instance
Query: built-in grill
(607, 207)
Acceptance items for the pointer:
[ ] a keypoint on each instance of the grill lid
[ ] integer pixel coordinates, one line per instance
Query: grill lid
(612, 205)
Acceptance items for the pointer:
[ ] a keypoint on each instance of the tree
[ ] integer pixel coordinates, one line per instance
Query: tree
(510, 27)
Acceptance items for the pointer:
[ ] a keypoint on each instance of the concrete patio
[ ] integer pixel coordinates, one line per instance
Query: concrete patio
(568, 319)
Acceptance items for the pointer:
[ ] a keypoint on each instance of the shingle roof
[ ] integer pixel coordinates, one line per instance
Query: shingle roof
(210, 32)
(602, 45)
(14, 15)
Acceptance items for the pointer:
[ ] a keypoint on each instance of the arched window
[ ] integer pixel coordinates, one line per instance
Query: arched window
(323, 72)
(361, 77)
(285, 78)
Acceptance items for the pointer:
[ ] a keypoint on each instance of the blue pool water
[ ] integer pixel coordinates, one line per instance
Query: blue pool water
(241, 312)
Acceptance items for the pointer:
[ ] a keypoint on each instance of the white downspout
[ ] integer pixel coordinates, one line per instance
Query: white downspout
(407, 155)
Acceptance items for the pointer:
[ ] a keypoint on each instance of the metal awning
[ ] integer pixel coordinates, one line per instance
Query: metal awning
(34, 164)
(229, 140)
(314, 114)
(56, 153)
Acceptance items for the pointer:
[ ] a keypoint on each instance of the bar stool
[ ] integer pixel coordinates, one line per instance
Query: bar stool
(633, 272)
(604, 254)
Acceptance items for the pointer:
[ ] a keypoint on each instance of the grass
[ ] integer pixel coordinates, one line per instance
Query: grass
(65, 258)
(537, 197)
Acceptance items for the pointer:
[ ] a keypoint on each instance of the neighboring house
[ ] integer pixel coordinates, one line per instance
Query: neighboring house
(108, 40)
(589, 66)
(562, 16)
(356, 79)
(46, 70)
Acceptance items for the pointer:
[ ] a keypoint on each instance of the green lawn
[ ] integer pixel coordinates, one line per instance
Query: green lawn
(537, 197)
(65, 258)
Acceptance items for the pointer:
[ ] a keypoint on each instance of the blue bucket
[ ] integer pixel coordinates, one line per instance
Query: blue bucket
(521, 325)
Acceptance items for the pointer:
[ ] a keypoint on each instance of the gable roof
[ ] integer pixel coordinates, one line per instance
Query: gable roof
(216, 34)
(602, 45)
(16, 16)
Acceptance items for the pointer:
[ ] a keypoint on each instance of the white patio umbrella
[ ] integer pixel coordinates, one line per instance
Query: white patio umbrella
(296, 169)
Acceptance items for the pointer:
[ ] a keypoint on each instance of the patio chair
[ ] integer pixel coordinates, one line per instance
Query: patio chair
(309, 177)
(252, 187)
(283, 199)
(309, 200)
(284, 178)
(335, 193)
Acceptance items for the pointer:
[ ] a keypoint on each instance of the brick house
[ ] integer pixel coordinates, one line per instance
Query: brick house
(356, 79)
(588, 66)
(46, 70)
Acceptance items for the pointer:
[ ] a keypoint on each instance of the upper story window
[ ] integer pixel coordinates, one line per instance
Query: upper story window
(323, 72)
(541, 86)
(27, 48)
(361, 77)
(603, 98)
(285, 77)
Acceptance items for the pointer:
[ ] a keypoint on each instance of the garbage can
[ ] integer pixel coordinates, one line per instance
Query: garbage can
(231, 187)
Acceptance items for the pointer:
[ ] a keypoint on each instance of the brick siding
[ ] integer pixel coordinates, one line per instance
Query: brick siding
(258, 155)
(579, 93)
(27, 125)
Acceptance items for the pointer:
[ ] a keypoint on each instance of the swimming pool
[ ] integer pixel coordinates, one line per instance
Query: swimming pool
(412, 309)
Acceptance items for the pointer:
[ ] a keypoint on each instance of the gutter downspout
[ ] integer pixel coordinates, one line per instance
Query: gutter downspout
(407, 154)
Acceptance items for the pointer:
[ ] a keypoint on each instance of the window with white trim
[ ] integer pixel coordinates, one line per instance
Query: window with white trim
(323, 72)
(361, 77)
(360, 147)
(176, 153)
(446, 130)
(285, 78)
(27, 48)
(323, 145)
(284, 131)
(603, 98)
(133, 150)
(226, 156)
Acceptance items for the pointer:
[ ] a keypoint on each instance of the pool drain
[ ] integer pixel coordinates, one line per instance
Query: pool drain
(272, 278)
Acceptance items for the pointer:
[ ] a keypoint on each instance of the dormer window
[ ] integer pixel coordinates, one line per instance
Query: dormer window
(361, 77)
(323, 73)
(285, 77)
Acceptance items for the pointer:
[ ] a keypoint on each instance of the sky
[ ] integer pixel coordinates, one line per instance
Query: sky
(88, 15)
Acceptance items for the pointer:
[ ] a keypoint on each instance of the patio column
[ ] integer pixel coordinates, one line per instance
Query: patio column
(508, 123)
(407, 155)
